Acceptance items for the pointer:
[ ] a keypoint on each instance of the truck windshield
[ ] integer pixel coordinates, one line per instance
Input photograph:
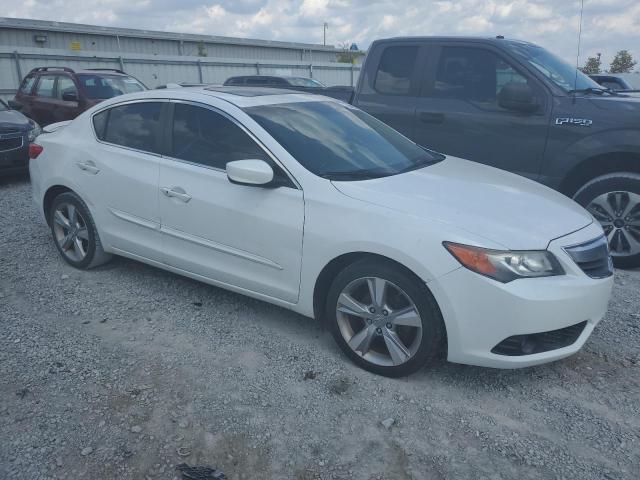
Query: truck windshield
(107, 86)
(554, 68)
(340, 142)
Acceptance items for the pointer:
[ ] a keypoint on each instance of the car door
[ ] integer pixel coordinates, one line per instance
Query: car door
(118, 171)
(44, 101)
(247, 237)
(391, 89)
(458, 112)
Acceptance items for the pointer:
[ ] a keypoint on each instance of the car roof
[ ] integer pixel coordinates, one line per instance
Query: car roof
(497, 40)
(242, 97)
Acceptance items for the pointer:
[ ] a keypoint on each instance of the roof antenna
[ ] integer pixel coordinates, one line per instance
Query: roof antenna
(575, 80)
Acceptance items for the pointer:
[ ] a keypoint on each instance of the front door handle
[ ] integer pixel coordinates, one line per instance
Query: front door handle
(176, 192)
(88, 167)
(431, 117)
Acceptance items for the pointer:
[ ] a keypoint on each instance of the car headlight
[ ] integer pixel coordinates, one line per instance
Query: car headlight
(506, 265)
(35, 131)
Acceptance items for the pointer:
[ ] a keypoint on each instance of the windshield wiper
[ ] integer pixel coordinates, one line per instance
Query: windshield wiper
(596, 90)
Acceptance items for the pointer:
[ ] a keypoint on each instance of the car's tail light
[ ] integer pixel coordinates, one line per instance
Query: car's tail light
(35, 150)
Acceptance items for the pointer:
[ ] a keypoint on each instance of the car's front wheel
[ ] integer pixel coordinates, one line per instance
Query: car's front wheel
(74, 232)
(384, 318)
(614, 200)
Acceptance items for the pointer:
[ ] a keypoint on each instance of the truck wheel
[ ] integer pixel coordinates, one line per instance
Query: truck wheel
(614, 200)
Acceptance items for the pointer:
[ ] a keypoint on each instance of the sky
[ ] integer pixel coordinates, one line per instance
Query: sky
(608, 25)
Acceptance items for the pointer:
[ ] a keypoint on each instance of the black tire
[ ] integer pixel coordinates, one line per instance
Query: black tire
(614, 182)
(95, 254)
(433, 328)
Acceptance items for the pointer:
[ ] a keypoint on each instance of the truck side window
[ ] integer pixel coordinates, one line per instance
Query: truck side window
(473, 74)
(395, 70)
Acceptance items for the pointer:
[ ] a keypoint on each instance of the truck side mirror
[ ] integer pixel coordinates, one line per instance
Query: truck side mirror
(517, 96)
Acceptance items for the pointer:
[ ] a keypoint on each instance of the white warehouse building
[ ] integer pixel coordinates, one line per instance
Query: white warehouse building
(159, 58)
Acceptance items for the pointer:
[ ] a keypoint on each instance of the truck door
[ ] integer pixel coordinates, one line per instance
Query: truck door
(459, 113)
(390, 87)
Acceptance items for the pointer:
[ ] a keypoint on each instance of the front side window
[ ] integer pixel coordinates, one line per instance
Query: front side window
(46, 86)
(208, 138)
(396, 68)
(473, 74)
(136, 125)
(66, 85)
(340, 142)
(108, 86)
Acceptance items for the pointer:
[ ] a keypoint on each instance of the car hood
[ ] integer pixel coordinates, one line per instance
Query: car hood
(505, 208)
(13, 121)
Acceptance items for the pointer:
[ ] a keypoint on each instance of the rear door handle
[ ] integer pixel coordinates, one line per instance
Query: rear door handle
(88, 167)
(176, 192)
(431, 117)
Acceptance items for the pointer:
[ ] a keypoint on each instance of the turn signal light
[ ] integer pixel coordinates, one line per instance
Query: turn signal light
(35, 150)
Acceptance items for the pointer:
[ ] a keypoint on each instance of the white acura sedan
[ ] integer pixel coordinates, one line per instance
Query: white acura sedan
(313, 205)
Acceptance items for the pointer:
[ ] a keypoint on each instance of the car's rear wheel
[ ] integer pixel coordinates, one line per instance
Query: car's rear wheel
(74, 232)
(614, 200)
(384, 318)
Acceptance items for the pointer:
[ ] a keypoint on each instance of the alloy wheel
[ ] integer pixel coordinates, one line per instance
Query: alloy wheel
(379, 321)
(619, 214)
(70, 231)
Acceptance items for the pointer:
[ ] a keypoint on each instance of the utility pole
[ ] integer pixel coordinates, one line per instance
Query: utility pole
(324, 32)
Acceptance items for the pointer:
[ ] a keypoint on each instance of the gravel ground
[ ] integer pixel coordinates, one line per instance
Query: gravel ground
(125, 371)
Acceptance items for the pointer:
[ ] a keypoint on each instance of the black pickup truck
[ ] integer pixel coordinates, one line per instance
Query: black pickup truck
(515, 106)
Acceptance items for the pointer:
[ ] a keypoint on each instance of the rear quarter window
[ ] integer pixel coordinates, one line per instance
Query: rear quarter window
(27, 85)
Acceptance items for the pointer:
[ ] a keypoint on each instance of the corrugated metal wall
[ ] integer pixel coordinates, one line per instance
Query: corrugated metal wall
(156, 60)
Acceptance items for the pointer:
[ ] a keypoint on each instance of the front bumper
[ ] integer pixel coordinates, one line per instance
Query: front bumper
(14, 157)
(479, 312)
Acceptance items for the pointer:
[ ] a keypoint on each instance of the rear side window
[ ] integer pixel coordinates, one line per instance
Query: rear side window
(27, 85)
(46, 86)
(208, 138)
(135, 125)
(395, 70)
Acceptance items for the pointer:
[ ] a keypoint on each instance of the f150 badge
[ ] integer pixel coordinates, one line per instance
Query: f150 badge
(581, 122)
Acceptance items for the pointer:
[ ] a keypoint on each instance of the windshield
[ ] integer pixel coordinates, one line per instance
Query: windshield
(340, 142)
(552, 67)
(304, 82)
(107, 86)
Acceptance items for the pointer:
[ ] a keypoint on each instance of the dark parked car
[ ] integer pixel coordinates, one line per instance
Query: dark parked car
(515, 106)
(16, 132)
(301, 84)
(612, 82)
(55, 94)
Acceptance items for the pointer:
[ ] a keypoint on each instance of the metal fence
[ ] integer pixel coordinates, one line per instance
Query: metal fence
(154, 70)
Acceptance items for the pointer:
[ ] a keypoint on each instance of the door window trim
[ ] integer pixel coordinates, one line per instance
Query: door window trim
(128, 102)
(168, 138)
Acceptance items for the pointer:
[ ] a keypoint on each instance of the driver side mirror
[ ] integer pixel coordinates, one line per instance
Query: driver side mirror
(70, 96)
(518, 97)
(250, 172)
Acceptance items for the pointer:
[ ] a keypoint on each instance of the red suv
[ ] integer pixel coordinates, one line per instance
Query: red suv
(54, 94)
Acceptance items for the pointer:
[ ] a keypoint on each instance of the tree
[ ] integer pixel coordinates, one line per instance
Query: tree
(592, 65)
(348, 54)
(623, 62)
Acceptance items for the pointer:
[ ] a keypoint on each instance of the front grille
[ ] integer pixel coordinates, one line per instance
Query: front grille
(519, 345)
(592, 257)
(12, 143)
